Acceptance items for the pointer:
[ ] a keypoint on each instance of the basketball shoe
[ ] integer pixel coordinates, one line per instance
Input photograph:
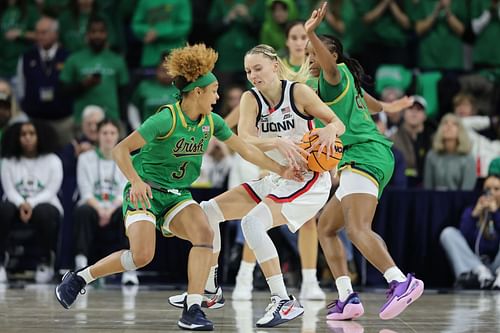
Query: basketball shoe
(351, 308)
(69, 288)
(400, 295)
(280, 311)
(194, 319)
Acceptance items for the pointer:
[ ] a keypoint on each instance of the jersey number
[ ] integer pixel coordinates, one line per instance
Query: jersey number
(179, 174)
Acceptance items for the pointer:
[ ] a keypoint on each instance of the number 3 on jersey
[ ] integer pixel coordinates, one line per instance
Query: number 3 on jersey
(179, 174)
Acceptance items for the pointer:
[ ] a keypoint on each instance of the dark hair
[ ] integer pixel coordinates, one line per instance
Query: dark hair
(11, 139)
(107, 121)
(292, 24)
(335, 45)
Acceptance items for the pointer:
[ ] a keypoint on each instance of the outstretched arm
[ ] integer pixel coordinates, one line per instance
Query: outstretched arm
(376, 106)
(327, 61)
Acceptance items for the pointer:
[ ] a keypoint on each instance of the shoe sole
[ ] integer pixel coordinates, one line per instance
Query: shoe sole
(193, 327)
(351, 311)
(56, 291)
(282, 320)
(401, 303)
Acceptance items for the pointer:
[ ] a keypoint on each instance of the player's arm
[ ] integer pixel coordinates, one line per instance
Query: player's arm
(247, 130)
(376, 106)
(254, 155)
(140, 192)
(327, 61)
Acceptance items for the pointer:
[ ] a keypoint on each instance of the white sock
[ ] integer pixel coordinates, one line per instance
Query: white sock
(277, 286)
(394, 274)
(309, 275)
(85, 274)
(193, 299)
(246, 270)
(344, 287)
(211, 285)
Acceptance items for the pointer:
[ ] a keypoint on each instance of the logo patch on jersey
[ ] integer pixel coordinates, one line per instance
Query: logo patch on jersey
(184, 147)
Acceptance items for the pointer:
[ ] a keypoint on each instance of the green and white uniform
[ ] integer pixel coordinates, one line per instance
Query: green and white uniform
(170, 162)
(366, 150)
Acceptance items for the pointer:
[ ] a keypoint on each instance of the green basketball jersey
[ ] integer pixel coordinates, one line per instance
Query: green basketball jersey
(350, 108)
(175, 144)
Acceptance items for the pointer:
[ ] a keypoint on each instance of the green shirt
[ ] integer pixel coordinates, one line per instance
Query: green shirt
(351, 109)
(486, 47)
(151, 94)
(175, 146)
(113, 75)
(171, 19)
(440, 47)
(236, 38)
(12, 18)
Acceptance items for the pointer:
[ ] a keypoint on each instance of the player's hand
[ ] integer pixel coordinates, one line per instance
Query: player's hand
(292, 152)
(398, 105)
(316, 17)
(140, 193)
(326, 140)
(292, 174)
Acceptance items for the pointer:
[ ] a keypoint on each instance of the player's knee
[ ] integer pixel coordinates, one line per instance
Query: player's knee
(309, 226)
(252, 230)
(143, 256)
(326, 229)
(213, 212)
(204, 234)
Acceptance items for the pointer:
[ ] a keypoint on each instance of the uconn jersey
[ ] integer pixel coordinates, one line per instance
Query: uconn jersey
(283, 120)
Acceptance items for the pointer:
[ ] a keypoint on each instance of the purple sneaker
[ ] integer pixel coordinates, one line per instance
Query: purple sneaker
(349, 309)
(400, 295)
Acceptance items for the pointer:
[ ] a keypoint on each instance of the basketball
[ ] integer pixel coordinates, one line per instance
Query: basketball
(317, 161)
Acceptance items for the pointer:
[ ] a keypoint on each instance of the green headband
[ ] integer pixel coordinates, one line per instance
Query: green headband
(201, 82)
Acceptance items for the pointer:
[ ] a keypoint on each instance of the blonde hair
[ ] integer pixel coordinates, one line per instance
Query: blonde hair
(284, 72)
(463, 141)
(191, 61)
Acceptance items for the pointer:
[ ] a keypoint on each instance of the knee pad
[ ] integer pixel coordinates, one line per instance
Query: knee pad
(127, 261)
(255, 226)
(215, 216)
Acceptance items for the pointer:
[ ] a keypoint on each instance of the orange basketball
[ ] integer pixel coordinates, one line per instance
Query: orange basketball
(317, 161)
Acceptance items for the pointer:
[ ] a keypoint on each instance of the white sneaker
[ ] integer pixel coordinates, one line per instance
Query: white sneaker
(243, 289)
(496, 283)
(80, 262)
(311, 292)
(484, 276)
(3, 275)
(280, 311)
(44, 273)
(130, 277)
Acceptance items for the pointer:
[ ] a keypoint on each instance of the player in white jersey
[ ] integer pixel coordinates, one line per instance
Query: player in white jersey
(274, 116)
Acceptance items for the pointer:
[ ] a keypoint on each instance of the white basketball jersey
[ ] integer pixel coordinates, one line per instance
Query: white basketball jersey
(283, 120)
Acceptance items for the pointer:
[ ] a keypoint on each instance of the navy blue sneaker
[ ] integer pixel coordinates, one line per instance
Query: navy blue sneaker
(194, 319)
(69, 288)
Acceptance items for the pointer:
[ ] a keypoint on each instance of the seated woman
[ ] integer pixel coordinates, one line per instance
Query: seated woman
(31, 178)
(474, 247)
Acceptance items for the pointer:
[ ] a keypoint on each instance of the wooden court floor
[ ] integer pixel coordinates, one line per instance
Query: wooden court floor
(33, 308)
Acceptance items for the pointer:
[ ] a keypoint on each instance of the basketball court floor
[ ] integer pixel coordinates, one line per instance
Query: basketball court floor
(33, 308)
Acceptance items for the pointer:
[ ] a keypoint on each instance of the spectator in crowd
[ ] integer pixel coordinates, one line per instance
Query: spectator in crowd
(449, 165)
(151, 94)
(440, 25)
(98, 217)
(38, 73)
(278, 14)
(31, 177)
(231, 100)
(484, 149)
(486, 27)
(235, 25)
(162, 25)
(11, 111)
(340, 17)
(473, 249)
(74, 21)
(96, 75)
(215, 167)
(386, 25)
(413, 140)
(296, 41)
(17, 22)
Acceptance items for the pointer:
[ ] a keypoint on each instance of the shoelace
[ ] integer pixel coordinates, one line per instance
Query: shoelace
(198, 310)
(74, 288)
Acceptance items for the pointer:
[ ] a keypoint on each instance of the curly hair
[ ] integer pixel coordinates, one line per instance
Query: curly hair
(191, 62)
(11, 139)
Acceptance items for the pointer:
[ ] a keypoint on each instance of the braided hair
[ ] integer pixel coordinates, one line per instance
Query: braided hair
(335, 45)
